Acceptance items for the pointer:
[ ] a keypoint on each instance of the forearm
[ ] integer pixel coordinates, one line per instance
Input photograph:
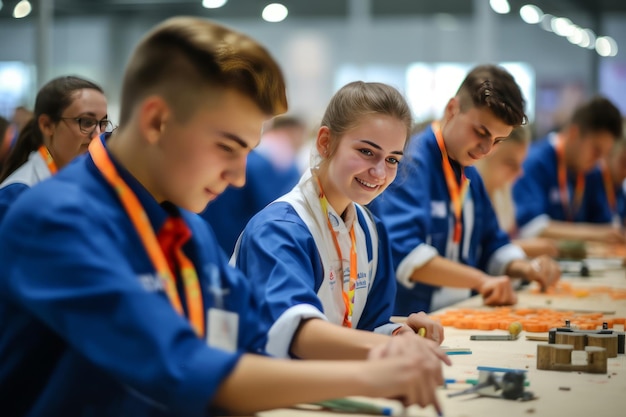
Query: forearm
(260, 383)
(574, 231)
(518, 268)
(443, 272)
(319, 339)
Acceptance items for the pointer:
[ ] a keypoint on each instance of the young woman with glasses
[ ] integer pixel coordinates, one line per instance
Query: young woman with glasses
(69, 112)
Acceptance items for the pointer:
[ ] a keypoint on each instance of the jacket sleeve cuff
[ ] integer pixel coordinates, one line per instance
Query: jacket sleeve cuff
(280, 335)
(388, 328)
(502, 257)
(534, 227)
(417, 258)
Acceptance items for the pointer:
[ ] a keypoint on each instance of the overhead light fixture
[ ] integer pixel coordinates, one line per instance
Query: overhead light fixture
(576, 35)
(606, 46)
(591, 36)
(531, 14)
(546, 22)
(22, 9)
(274, 13)
(562, 26)
(213, 4)
(500, 6)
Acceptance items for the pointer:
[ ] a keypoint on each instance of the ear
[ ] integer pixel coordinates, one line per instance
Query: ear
(452, 108)
(323, 141)
(46, 126)
(153, 116)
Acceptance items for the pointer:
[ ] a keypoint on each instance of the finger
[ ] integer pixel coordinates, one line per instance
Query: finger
(436, 405)
(377, 352)
(443, 357)
(435, 333)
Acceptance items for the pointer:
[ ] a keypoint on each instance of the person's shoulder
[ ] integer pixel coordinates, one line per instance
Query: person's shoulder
(10, 192)
(595, 175)
(540, 154)
(541, 146)
(67, 194)
(278, 211)
(422, 139)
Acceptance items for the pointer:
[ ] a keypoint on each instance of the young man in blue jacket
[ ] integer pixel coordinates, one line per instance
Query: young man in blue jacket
(115, 299)
(562, 193)
(444, 233)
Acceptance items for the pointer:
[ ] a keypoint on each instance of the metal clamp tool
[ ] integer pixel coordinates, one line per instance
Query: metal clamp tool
(509, 385)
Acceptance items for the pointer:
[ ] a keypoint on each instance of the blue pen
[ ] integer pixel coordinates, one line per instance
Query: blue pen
(495, 369)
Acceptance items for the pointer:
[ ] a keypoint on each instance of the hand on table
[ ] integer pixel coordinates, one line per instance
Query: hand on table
(433, 330)
(407, 368)
(544, 270)
(498, 291)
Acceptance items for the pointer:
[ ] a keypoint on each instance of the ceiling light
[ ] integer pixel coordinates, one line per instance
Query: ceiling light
(546, 22)
(585, 39)
(576, 35)
(531, 14)
(274, 12)
(213, 4)
(606, 46)
(592, 39)
(22, 9)
(562, 26)
(500, 6)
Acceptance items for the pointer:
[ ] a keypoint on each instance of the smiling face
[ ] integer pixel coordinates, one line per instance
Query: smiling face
(470, 135)
(64, 138)
(195, 160)
(364, 162)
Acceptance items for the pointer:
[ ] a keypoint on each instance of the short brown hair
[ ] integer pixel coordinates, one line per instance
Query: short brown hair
(597, 115)
(495, 88)
(184, 56)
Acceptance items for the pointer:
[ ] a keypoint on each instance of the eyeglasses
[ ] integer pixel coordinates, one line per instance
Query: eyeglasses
(87, 125)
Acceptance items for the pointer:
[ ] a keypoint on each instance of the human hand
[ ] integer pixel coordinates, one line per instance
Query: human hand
(498, 291)
(544, 270)
(407, 368)
(433, 330)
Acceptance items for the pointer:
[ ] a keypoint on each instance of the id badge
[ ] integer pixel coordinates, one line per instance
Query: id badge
(223, 329)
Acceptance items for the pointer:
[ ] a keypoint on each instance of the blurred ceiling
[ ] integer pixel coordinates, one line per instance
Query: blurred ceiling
(299, 9)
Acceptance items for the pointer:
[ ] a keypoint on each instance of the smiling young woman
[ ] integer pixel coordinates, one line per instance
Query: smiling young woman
(316, 255)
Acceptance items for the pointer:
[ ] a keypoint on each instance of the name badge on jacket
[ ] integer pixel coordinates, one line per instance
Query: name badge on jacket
(438, 209)
(555, 196)
(223, 328)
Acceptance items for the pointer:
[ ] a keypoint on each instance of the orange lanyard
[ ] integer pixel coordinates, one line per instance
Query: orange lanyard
(457, 194)
(348, 297)
(609, 188)
(47, 157)
(140, 221)
(564, 189)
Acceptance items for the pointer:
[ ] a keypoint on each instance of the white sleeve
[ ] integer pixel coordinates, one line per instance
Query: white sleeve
(280, 335)
(502, 257)
(417, 258)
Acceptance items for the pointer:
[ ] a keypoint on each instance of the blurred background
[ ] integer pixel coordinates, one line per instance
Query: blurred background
(560, 51)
